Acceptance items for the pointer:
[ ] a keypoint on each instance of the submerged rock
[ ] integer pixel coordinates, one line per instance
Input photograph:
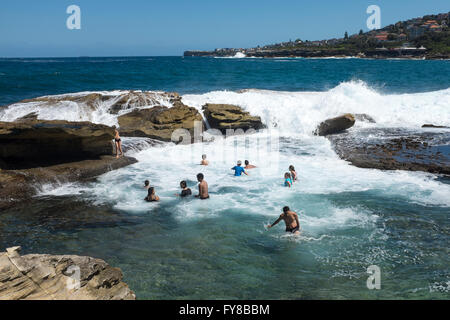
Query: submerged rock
(227, 116)
(335, 125)
(159, 122)
(364, 117)
(59, 277)
(32, 143)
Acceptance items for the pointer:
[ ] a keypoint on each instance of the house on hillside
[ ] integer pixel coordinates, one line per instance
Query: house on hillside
(382, 36)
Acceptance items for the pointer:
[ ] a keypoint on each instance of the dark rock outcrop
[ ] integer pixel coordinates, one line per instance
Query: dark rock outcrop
(33, 143)
(429, 152)
(335, 125)
(20, 185)
(63, 277)
(226, 116)
(159, 122)
(434, 126)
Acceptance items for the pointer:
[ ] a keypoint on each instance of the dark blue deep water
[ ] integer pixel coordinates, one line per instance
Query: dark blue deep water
(28, 78)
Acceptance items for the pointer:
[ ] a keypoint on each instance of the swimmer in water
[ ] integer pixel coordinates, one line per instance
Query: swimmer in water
(204, 162)
(290, 218)
(202, 187)
(293, 173)
(248, 165)
(238, 170)
(287, 180)
(151, 197)
(185, 191)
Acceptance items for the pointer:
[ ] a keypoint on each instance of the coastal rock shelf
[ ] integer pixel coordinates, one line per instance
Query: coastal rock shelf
(420, 151)
(33, 143)
(159, 122)
(112, 102)
(227, 116)
(20, 185)
(62, 277)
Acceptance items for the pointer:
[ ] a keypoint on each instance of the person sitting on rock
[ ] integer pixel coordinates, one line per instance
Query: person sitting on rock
(202, 187)
(204, 162)
(151, 197)
(293, 173)
(287, 180)
(118, 143)
(185, 190)
(248, 165)
(238, 170)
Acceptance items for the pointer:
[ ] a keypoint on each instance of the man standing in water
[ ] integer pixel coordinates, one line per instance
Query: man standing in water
(290, 219)
(202, 187)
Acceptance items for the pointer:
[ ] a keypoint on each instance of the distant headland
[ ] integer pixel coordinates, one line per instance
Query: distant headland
(427, 37)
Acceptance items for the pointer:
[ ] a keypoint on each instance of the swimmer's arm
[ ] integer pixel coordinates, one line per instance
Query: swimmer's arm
(245, 172)
(276, 222)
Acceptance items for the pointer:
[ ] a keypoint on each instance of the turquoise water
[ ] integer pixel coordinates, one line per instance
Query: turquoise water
(219, 249)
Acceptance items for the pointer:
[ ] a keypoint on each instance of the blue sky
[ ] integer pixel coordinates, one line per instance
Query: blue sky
(168, 27)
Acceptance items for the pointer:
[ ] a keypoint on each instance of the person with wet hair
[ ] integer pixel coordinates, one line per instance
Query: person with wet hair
(248, 165)
(146, 184)
(151, 197)
(293, 173)
(204, 162)
(185, 191)
(290, 218)
(202, 187)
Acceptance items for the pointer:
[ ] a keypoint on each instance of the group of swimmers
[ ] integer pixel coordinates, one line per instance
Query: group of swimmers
(289, 217)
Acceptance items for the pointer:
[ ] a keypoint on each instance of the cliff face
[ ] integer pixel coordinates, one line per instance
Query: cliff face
(48, 277)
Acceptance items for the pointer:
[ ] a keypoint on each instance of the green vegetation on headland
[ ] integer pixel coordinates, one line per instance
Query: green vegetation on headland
(420, 38)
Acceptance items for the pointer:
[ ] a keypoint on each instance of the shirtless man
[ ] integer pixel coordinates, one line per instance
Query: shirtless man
(204, 162)
(248, 165)
(202, 187)
(290, 219)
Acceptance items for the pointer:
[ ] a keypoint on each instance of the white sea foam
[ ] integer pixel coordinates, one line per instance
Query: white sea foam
(290, 112)
(301, 112)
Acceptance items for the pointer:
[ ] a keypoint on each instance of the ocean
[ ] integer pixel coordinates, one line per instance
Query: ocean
(351, 218)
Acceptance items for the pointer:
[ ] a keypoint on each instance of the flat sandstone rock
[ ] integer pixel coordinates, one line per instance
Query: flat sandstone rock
(59, 277)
